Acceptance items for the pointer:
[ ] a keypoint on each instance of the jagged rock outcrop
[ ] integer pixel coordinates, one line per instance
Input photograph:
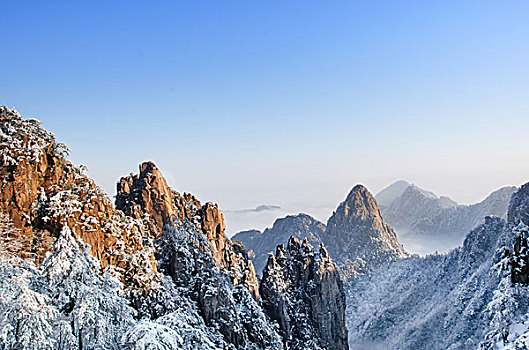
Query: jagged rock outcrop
(357, 237)
(260, 244)
(425, 222)
(301, 289)
(146, 195)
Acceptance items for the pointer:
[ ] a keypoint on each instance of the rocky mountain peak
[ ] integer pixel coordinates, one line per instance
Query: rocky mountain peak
(301, 290)
(359, 205)
(357, 234)
(147, 195)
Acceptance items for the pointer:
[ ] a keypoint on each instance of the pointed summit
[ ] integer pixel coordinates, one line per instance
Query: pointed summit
(356, 233)
(359, 205)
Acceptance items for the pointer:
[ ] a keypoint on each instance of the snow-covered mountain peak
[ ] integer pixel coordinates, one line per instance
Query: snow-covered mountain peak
(387, 195)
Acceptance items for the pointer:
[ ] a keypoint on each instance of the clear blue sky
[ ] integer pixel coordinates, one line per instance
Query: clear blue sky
(279, 102)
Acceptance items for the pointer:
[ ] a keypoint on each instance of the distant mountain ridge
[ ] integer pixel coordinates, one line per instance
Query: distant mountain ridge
(260, 244)
(436, 223)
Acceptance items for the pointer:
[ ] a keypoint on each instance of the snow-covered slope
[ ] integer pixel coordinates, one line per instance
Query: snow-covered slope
(66, 303)
(461, 300)
(426, 223)
(387, 195)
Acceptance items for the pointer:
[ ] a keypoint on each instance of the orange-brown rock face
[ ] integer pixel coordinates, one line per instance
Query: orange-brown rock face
(41, 192)
(146, 192)
(357, 236)
(146, 195)
(213, 227)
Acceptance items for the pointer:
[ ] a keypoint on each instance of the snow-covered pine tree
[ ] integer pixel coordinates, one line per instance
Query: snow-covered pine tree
(26, 318)
(92, 313)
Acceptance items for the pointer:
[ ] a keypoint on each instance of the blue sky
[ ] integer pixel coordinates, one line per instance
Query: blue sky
(279, 102)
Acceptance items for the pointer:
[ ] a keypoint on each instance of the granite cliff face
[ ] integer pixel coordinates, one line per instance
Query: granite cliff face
(357, 237)
(146, 195)
(260, 244)
(301, 290)
(42, 191)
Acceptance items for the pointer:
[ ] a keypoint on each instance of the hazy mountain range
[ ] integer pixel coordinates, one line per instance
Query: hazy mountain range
(154, 269)
(423, 222)
(426, 223)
